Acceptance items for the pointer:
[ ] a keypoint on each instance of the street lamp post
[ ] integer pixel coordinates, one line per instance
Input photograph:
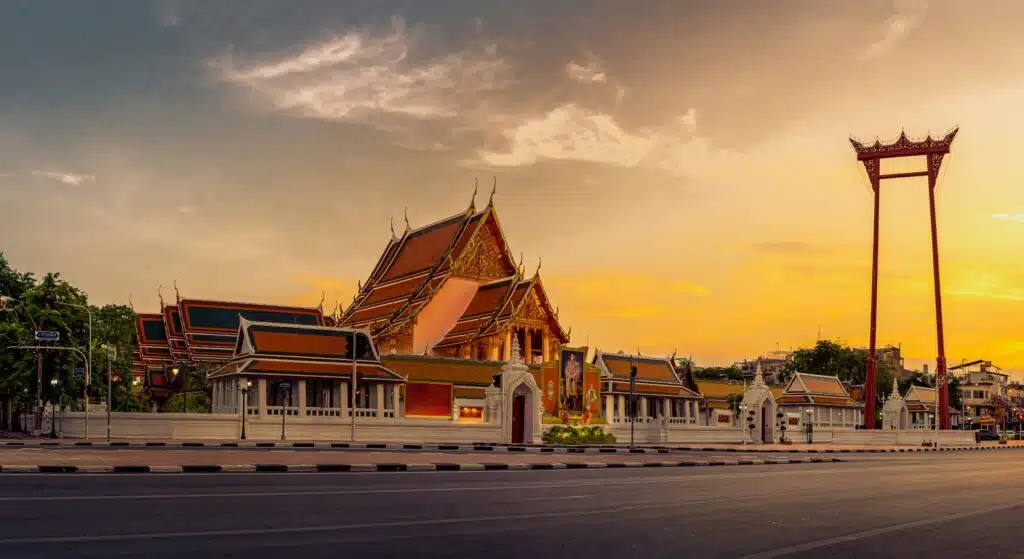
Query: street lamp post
(244, 388)
(111, 357)
(53, 409)
(88, 363)
(810, 426)
(285, 401)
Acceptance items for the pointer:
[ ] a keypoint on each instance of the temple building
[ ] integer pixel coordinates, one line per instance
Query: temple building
(452, 289)
(442, 311)
(196, 331)
(820, 400)
(661, 393)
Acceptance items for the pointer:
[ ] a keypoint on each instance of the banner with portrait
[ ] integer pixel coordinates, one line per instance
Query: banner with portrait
(572, 363)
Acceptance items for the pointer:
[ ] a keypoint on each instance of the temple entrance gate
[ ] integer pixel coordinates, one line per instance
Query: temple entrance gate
(519, 417)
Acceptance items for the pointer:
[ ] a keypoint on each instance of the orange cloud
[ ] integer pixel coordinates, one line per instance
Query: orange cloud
(316, 288)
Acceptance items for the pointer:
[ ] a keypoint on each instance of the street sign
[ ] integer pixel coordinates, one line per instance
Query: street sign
(78, 372)
(47, 335)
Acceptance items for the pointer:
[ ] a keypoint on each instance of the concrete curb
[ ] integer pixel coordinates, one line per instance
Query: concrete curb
(474, 447)
(396, 467)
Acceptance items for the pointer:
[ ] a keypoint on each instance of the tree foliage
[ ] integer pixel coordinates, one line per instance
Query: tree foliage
(52, 303)
(719, 373)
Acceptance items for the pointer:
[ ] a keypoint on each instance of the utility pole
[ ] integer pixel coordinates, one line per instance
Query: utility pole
(88, 363)
(632, 400)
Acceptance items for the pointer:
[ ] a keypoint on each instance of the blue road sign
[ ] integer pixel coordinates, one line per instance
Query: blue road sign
(79, 372)
(47, 335)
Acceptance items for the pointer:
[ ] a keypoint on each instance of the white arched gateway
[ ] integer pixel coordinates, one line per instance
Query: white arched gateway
(757, 410)
(519, 401)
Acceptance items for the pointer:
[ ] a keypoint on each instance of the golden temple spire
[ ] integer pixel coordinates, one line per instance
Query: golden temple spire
(494, 188)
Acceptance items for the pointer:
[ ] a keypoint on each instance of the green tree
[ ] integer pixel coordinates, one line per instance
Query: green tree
(832, 359)
(51, 303)
(719, 373)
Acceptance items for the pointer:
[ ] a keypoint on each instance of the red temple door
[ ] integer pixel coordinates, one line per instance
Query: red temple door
(518, 415)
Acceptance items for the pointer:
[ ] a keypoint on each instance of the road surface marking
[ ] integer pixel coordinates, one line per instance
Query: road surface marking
(783, 551)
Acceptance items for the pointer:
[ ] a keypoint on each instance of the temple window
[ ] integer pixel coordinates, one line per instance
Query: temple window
(652, 407)
(276, 396)
(389, 396)
(320, 394)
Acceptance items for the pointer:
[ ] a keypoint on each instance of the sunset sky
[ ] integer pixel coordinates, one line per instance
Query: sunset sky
(682, 168)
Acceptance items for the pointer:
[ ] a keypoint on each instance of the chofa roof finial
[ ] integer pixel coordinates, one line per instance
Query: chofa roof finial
(539, 262)
(130, 303)
(407, 226)
(494, 188)
(393, 235)
(476, 186)
(177, 294)
(160, 295)
(323, 296)
(519, 267)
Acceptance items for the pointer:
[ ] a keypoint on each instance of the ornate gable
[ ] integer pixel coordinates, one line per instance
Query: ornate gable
(484, 258)
(532, 309)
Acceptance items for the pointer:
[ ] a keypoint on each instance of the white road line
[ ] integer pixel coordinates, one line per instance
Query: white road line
(559, 498)
(380, 525)
(783, 551)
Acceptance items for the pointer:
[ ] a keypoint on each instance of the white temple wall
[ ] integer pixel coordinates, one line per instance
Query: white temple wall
(208, 426)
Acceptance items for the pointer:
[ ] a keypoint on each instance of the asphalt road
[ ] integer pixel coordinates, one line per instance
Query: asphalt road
(936, 504)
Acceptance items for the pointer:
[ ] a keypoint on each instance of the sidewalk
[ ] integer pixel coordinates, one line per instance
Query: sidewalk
(60, 460)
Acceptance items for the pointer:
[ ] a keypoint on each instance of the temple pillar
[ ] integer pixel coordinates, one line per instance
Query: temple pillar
(261, 397)
(302, 397)
(507, 350)
(545, 346)
(493, 349)
(529, 347)
(395, 400)
(621, 402)
(344, 399)
(379, 389)
(666, 407)
(466, 351)
(609, 407)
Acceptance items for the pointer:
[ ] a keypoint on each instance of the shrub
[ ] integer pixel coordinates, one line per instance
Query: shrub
(577, 434)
